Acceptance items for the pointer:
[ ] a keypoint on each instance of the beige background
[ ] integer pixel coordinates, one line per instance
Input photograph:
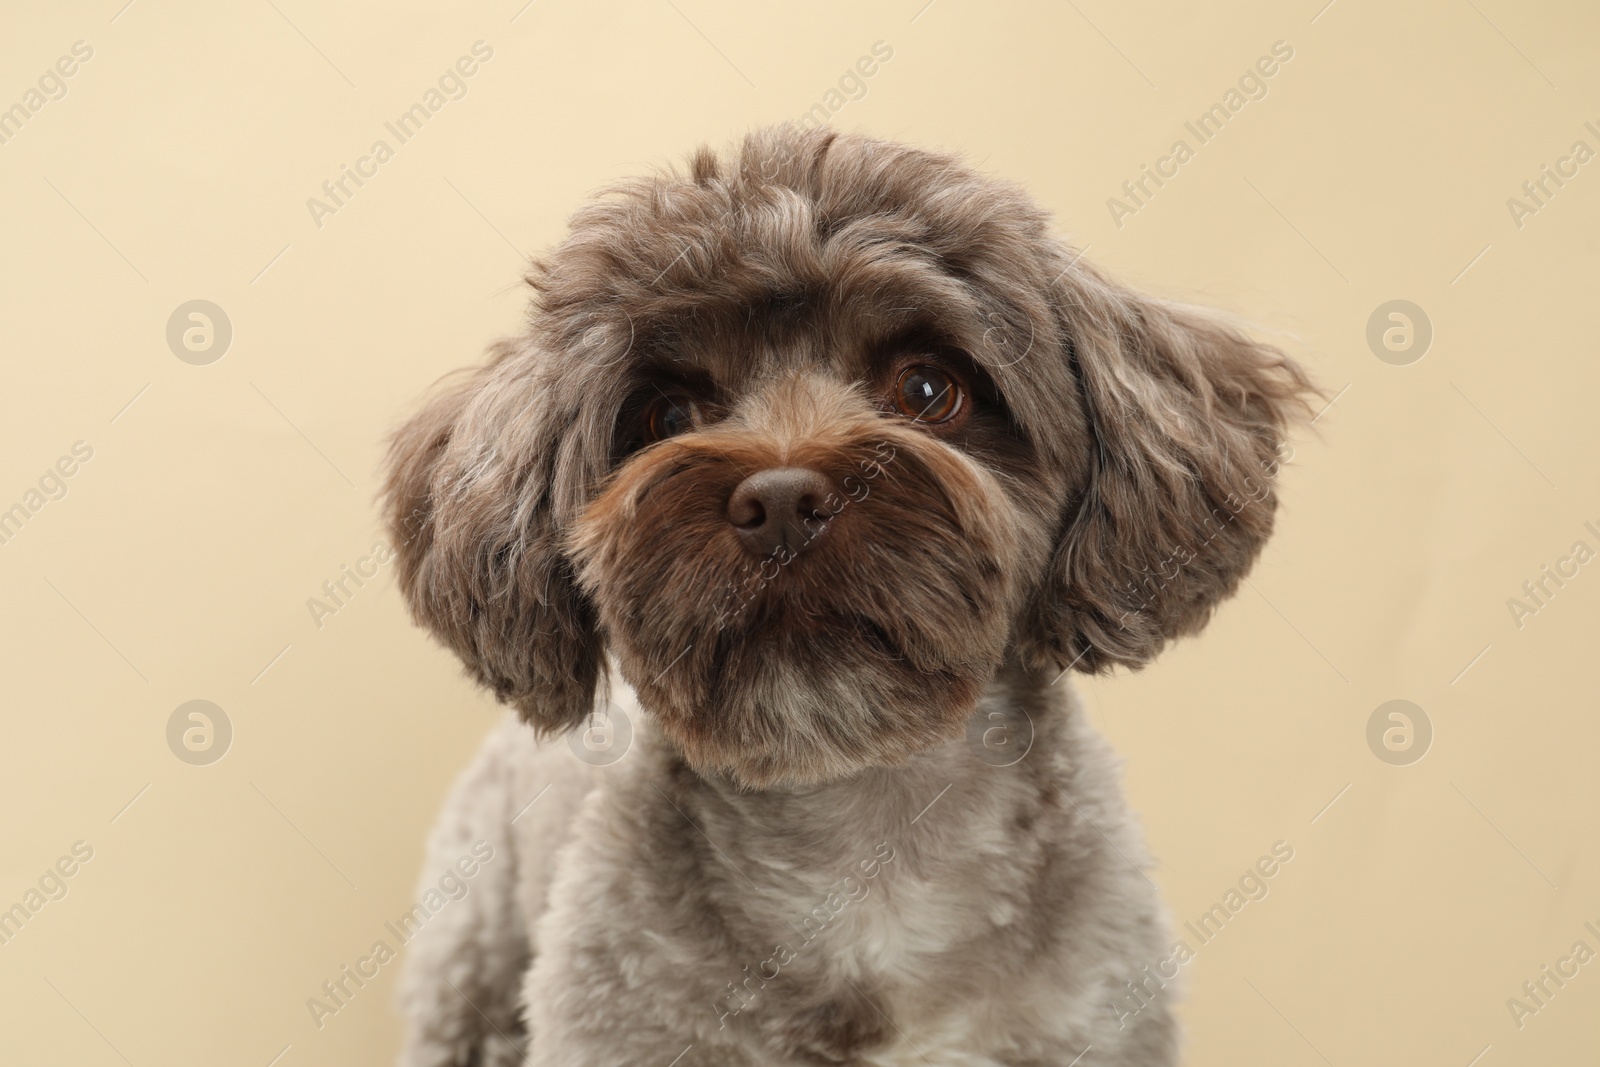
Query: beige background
(219, 498)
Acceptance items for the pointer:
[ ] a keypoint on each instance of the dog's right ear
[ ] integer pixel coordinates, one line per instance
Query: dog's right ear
(469, 499)
(1187, 416)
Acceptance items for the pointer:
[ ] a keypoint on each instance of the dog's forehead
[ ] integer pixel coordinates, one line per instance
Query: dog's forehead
(752, 286)
(734, 340)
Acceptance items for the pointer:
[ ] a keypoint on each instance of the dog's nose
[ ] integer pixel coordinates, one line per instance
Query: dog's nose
(785, 507)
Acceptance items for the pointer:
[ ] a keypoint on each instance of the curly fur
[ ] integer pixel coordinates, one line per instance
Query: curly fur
(1109, 481)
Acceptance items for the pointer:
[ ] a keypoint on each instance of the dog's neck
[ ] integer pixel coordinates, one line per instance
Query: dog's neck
(928, 811)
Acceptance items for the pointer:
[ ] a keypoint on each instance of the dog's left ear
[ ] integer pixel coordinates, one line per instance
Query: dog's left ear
(471, 495)
(1187, 420)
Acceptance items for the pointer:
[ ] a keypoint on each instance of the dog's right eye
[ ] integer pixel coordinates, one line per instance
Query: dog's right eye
(668, 416)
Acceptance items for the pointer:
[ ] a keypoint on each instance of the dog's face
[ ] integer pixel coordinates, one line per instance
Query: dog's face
(813, 439)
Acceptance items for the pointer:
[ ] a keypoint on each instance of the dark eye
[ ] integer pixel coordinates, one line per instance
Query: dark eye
(668, 416)
(927, 394)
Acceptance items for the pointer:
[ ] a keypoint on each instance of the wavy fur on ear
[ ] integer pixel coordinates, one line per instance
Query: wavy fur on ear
(469, 501)
(1189, 417)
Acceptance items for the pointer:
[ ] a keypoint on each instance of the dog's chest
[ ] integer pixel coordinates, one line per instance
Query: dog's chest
(904, 939)
(903, 924)
(897, 946)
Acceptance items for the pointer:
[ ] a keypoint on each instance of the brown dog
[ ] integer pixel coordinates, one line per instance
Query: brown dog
(831, 451)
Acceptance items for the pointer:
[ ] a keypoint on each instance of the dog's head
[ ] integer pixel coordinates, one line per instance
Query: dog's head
(812, 438)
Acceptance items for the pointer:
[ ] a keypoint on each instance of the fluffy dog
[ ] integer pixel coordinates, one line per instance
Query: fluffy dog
(817, 467)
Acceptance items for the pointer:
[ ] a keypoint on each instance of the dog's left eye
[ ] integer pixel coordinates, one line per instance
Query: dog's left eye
(668, 416)
(927, 394)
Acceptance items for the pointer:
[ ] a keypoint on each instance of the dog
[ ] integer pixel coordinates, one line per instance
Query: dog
(818, 466)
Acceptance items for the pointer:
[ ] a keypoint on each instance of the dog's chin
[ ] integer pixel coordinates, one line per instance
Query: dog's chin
(772, 704)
